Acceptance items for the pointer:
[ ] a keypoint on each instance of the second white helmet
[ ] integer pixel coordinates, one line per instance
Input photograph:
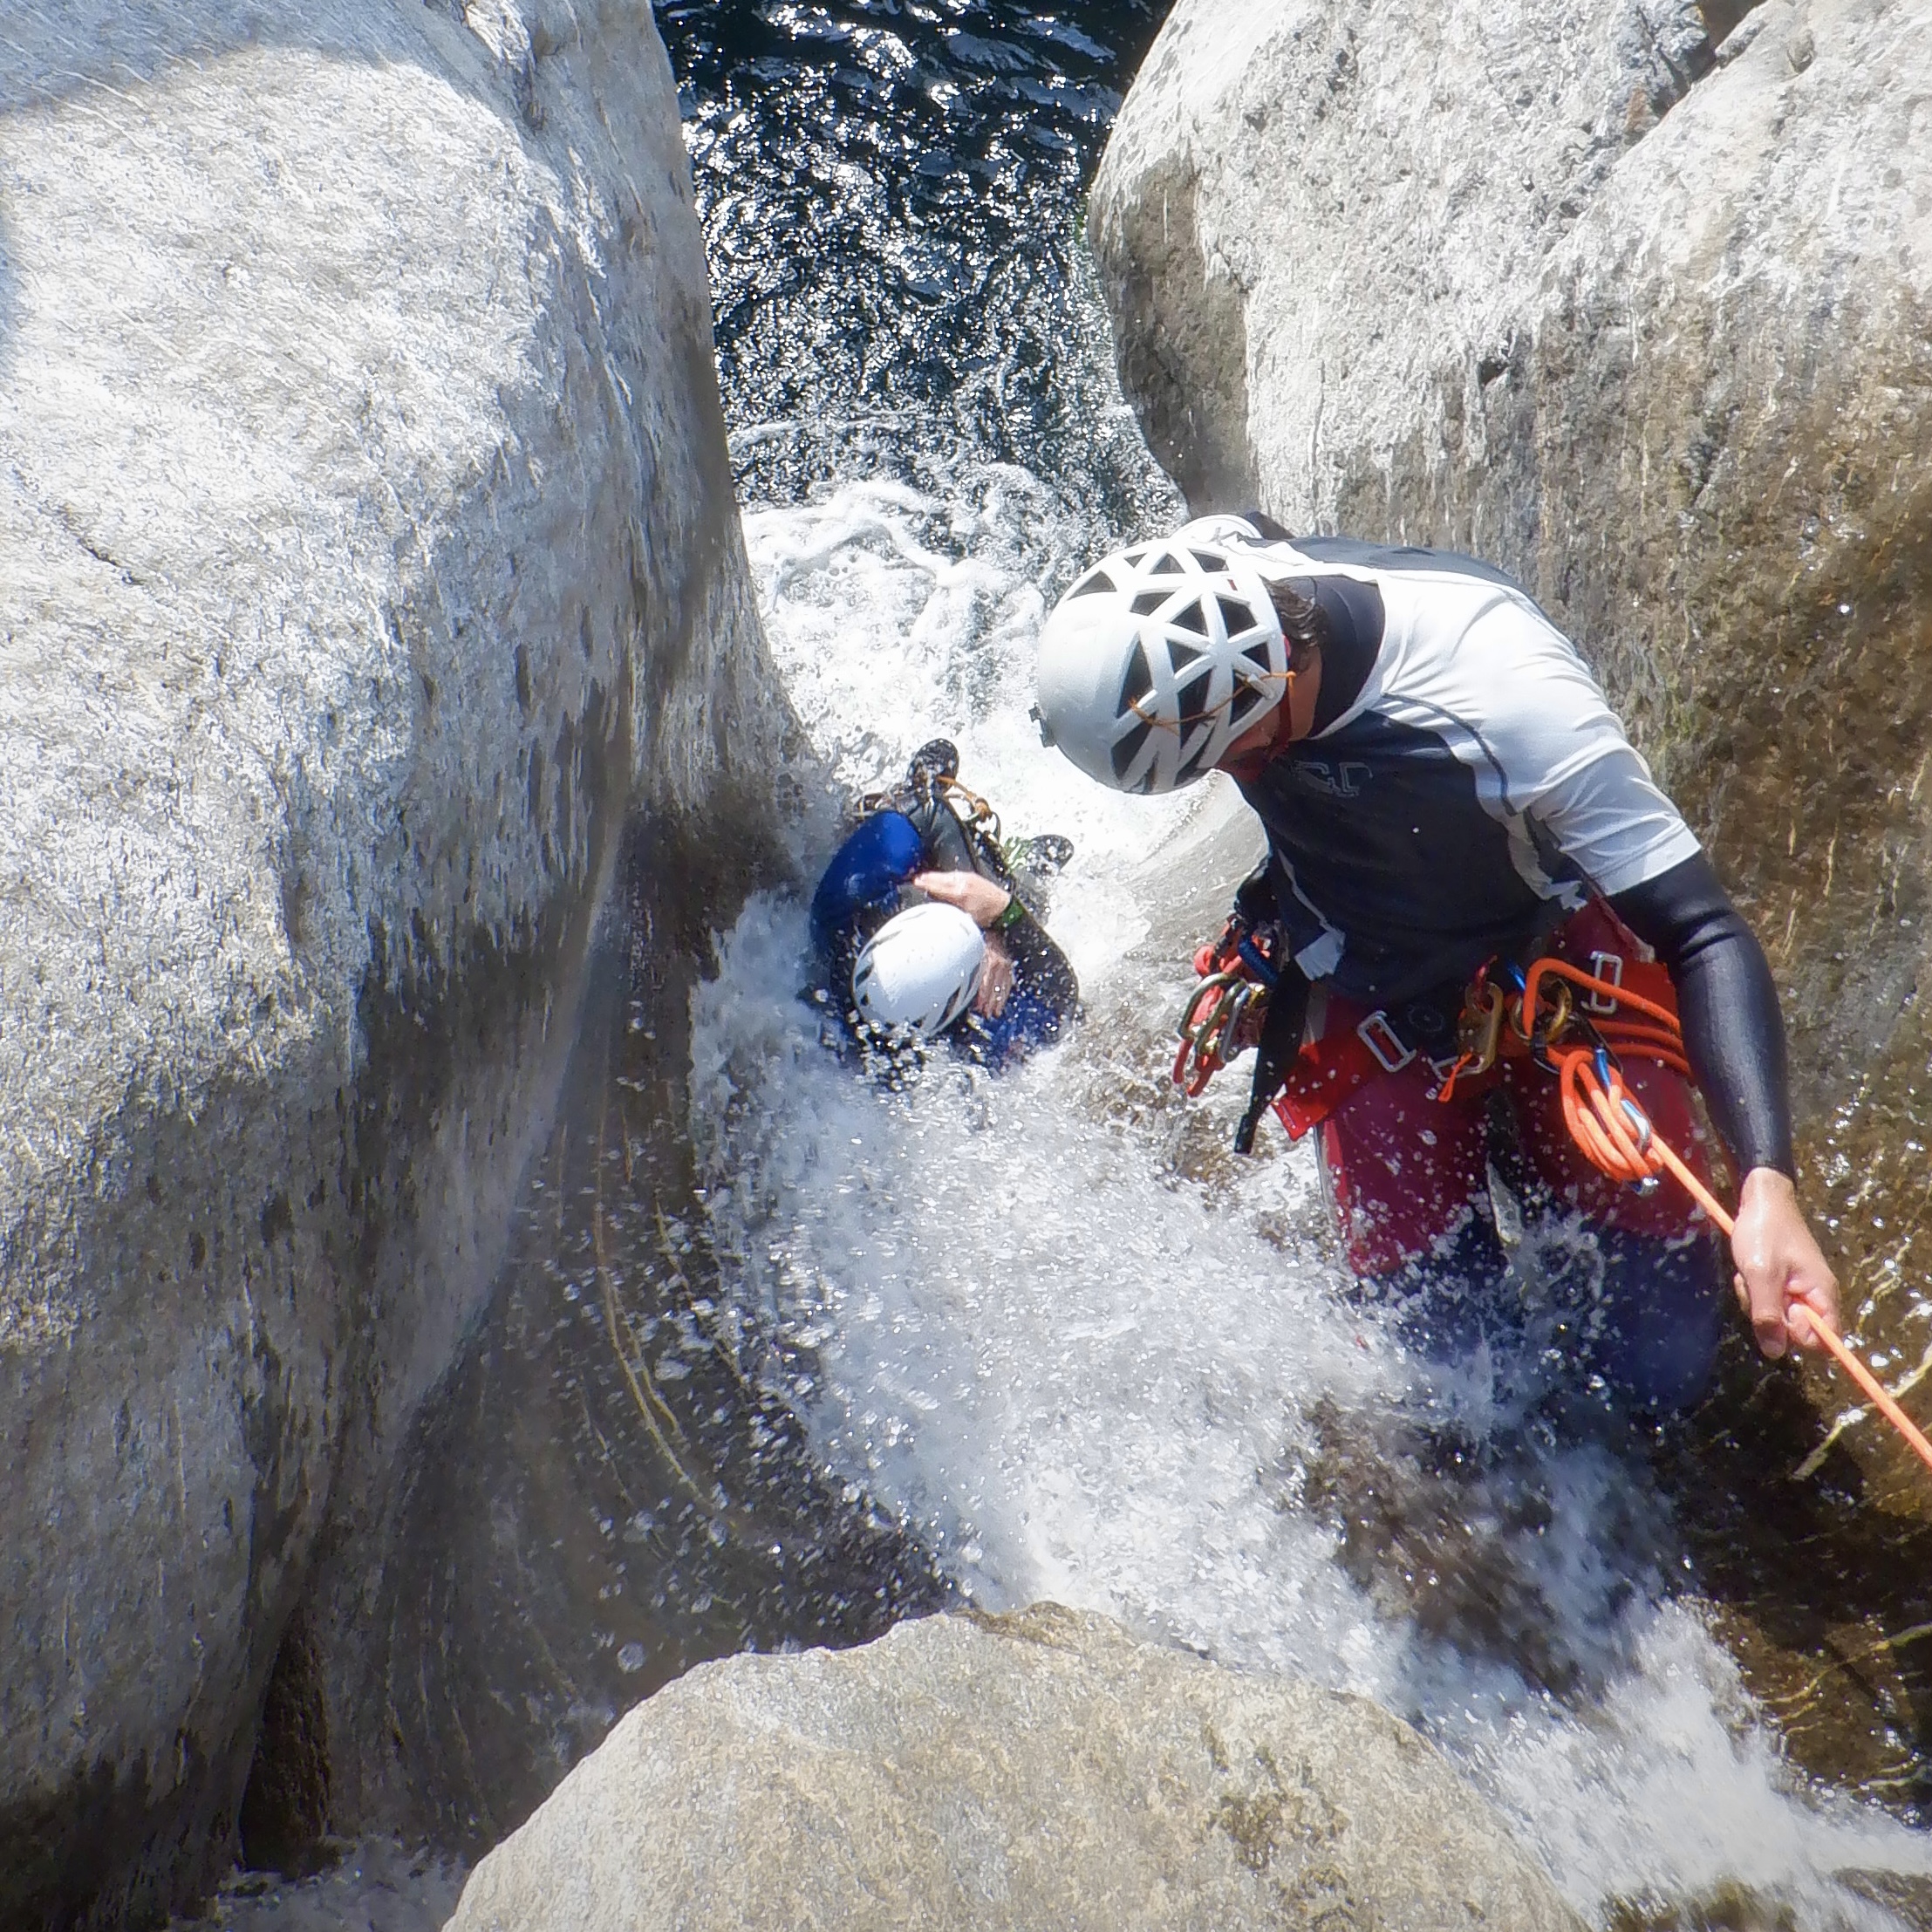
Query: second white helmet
(920, 970)
(1158, 659)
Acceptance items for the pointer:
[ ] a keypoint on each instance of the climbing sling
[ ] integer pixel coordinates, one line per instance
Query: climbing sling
(1579, 1026)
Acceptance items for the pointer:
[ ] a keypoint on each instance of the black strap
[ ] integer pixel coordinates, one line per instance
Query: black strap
(952, 843)
(1274, 1054)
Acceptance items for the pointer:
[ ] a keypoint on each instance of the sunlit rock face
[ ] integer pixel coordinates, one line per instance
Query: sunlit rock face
(368, 559)
(1033, 1770)
(1643, 318)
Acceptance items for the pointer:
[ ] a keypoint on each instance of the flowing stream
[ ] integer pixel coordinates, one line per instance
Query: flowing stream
(1047, 1322)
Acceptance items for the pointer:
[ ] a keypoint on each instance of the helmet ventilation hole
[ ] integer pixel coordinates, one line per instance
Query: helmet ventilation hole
(1191, 698)
(1246, 701)
(1127, 750)
(1190, 766)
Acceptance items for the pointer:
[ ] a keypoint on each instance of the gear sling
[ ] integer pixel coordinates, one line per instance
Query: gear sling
(1405, 1140)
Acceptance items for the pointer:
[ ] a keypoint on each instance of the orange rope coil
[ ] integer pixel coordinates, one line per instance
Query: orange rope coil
(1616, 1137)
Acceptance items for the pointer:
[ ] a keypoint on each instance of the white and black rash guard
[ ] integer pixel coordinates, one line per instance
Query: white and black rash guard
(1464, 788)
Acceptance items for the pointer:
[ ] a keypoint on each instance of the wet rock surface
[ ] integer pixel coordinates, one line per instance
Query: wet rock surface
(1036, 1769)
(1631, 299)
(608, 1488)
(371, 565)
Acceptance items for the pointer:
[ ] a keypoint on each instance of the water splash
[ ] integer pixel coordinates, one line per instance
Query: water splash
(1086, 1356)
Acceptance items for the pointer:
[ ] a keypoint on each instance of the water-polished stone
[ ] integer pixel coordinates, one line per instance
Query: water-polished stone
(1043, 1770)
(370, 564)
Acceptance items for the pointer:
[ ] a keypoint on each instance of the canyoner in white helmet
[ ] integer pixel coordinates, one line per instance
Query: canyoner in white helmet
(1452, 810)
(920, 970)
(926, 926)
(1161, 656)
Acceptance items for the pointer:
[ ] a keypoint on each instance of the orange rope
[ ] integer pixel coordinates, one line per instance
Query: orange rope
(1616, 1137)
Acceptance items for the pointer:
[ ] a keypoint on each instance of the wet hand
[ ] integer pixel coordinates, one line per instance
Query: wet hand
(1779, 1265)
(995, 977)
(980, 899)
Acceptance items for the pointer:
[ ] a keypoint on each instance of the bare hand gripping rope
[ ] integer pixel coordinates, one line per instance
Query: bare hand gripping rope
(1616, 1137)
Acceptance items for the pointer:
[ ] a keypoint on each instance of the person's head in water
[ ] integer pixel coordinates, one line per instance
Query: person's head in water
(1168, 658)
(920, 973)
(921, 929)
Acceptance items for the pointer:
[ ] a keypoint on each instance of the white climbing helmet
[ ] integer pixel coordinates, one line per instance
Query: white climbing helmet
(921, 969)
(1161, 656)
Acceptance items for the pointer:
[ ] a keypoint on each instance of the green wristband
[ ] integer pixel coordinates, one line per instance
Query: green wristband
(1013, 915)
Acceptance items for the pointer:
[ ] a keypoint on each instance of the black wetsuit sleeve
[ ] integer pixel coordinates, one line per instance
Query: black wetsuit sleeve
(1040, 966)
(1728, 1002)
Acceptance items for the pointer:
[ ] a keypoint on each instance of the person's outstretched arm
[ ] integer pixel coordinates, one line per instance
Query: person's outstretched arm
(1020, 954)
(1735, 1037)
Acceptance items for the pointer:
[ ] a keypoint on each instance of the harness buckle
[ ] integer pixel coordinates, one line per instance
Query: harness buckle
(1605, 966)
(1384, 1042)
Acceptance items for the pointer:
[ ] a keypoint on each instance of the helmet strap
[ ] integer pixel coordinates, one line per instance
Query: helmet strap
(1283, 715)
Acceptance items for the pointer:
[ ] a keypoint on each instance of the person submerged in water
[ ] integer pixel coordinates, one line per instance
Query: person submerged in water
(1447, 797)
(922, 927)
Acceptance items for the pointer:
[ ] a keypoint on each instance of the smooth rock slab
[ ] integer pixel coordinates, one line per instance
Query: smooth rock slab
(368, 564)
(1042, 1770)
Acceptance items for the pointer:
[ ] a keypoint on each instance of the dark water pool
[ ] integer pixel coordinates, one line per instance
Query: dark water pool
(891, 195)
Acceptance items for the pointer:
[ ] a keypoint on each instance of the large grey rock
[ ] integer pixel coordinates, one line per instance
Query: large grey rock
(367, 556)
(1645, 321)
(1039, 1771)
(1304, 211)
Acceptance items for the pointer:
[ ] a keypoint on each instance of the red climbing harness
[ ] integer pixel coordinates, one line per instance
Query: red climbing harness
(1224, 1015)
(1580, 1027)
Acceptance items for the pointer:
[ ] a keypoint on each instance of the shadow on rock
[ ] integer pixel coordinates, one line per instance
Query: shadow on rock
(602, 1496)
(1818, 1589)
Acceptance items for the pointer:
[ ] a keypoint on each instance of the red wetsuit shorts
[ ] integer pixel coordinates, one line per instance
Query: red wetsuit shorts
(1405, 1172)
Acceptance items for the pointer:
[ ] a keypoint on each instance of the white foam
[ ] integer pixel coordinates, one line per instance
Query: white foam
(897, 617)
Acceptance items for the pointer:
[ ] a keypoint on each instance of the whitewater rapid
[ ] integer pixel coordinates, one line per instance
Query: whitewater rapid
(1086, 1354)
